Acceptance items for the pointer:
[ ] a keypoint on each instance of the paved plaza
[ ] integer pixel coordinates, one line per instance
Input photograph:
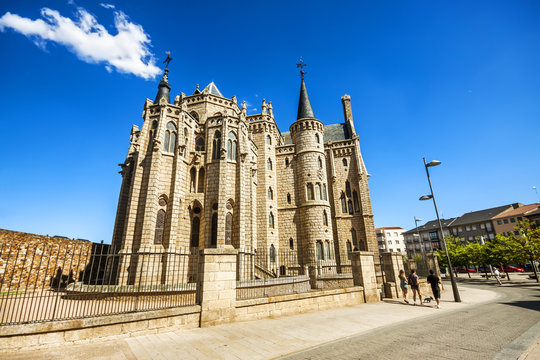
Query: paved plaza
(491, 322)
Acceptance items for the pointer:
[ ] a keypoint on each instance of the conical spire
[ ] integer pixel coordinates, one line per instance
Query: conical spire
(164, 88)
(304, 106)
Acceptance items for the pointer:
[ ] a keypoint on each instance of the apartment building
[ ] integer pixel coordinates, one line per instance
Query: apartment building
(391, 239)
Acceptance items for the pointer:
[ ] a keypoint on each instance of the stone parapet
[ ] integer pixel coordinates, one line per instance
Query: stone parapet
(364, 275)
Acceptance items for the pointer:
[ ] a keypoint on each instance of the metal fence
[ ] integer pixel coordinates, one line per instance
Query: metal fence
(40, 283)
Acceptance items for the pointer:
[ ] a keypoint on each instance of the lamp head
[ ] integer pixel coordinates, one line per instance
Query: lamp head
(433, 163)
(415, 219)
(425, 197)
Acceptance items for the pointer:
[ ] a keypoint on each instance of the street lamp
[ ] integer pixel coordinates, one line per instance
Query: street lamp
(418, 234)
(536, 191)
(455, 290)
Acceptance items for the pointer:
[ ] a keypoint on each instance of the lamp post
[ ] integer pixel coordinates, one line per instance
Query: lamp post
(536, 191)
(455, 290)
(418, 234)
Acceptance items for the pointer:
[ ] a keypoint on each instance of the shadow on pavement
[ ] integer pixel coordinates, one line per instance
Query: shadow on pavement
(527, 304)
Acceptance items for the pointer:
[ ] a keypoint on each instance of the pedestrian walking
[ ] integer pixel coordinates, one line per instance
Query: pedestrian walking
(413, 281)
(497, 276)
(404, 285)
(434, 281)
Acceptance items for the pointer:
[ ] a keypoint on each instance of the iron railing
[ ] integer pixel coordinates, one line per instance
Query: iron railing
(40, 283)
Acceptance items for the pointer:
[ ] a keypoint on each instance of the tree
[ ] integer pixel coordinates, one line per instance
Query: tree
(529, 239)
(504, 250)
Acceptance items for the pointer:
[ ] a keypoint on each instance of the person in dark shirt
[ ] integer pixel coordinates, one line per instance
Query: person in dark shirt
(434, 281)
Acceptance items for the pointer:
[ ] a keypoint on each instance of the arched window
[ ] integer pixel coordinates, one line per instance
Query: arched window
(355, 200)
(213, 237)
(310, 195)
(348, 188)
(343, 203)
(324, 218)
(216, 146)
(350, 207)
(270, 194)
(320, 162)
(268, 139)
(195, 115)
(195, 226)
(200, 183)
(170, 137)
(288, 198)
(318, 191)
(286, 162)
(228, 229)
(271, 220)
(325, 197)
(349, 249)
(272, 253)
(160, 226)
(185, 136)
(193, 177)
(231, 146)
(326, 250)
(291, 244)
(344, 162)
(353, 237)
(199, 144)
(154, 129)
(317, 138)
(269, 164)
(318, 250)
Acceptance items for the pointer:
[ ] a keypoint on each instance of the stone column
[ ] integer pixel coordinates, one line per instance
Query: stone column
(392, 264)
(363, 269)
(217, 285)
(433, 264)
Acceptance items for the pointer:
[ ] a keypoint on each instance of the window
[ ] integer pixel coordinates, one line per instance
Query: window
(348, 188)
(350, 207)
(170, 138)
(482, 226)
(488, 226)
(213, 237)
(355, 199)
(354, 240)
(519, 218)
(454, 231)
(512, 220)
(200, 183)
(310, 195)
(389, 242)
(271, 220)
(199, 144)
(505, 221)
(398, 250)
(468, 228)
(195, 115)
(268, 139)
(319, 250)
(193, 181)
(460, 229)
(491, 236)
(288, 198)
(433, 235)
(160, 226)
(499, 222)
(349, 250)
(343, 204)
(269, 164)
(320, 162)
(286, 162)
(216, 146)
(326, 250)
(317, 138)
(270, 194)
(325, 218)
(344, 162)
(195, 226)
(228, 228)
(272, 253)
(291, 244)
(231, 146)
(318, 191)
(474, 227)
(397, 242)
(471, 238)
(324, 192)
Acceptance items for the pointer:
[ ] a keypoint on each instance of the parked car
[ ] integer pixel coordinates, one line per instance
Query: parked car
(464, 271)
(511, 268)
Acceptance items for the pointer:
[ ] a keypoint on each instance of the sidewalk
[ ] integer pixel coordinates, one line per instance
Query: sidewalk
(261, 339)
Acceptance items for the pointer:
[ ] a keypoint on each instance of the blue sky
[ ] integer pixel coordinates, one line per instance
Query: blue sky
(455, 81)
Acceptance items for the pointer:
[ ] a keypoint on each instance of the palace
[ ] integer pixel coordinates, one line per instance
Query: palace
(202, 173)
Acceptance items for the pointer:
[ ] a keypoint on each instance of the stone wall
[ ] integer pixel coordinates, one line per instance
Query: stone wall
(30, 261)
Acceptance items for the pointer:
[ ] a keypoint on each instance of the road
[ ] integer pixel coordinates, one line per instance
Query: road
(500, 329)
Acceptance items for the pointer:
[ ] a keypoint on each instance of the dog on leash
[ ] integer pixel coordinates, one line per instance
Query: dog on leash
(428, 299)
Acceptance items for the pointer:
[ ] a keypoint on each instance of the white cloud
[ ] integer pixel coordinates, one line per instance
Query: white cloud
(127, 51)
(107, 6)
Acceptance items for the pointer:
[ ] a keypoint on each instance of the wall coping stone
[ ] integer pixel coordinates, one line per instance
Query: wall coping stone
(76, 324)
(219, 251)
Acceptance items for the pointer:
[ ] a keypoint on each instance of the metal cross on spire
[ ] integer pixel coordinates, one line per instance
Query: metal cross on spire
(168, 59)
(301, 66)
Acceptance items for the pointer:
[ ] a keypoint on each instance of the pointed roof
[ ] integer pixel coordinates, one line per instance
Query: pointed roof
(164, 88)
(197, 91)
(304, 106)
(212, 89)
